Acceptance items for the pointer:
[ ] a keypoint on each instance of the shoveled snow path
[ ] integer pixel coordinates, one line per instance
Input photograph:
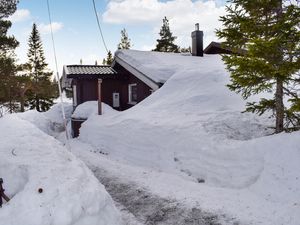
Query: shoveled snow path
(148, 208)
(137, 203)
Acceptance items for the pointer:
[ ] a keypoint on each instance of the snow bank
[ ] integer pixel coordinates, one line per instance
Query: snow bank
(32, 160)
(89, 108)
(192, 128)
(194, 108)
(50, 122)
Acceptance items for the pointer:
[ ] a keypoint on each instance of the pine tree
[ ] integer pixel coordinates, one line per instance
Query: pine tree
(8, 66)
(125, 40)
(166, 41)
(109, 59)
(43, 92)
(269, 31)
(186, 50)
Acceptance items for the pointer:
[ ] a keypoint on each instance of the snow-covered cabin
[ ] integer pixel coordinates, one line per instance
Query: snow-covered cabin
(132, 77)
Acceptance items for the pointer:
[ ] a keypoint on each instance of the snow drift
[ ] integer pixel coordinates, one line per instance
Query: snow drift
(194, 108)
(193, 128)
(48, 185)
(90, 108)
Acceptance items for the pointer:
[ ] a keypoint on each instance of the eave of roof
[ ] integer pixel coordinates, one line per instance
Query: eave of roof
(218, 45)
(89, 71)
(143, 77)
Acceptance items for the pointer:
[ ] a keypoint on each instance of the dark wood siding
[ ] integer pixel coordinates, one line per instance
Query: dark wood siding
(110, 86)
(87, 89)
(76, 124)
(143, 90)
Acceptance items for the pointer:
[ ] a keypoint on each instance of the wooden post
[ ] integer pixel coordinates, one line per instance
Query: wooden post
(99, 97)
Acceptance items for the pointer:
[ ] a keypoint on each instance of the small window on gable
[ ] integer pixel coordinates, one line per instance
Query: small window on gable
(132, 94)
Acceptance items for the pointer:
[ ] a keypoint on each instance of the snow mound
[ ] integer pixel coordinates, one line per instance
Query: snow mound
(194, 108)
(89, 108)
(50, 122)
(32, 160)
(192, 128)
(55, 112)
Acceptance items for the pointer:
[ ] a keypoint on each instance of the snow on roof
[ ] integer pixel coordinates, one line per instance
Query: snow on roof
(160, 66)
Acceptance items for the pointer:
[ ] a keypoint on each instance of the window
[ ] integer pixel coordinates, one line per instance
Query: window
(132, 94)
(74, 96)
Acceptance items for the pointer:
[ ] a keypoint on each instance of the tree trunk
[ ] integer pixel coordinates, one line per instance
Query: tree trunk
(279, 107)
(22, 102)
(37, 102)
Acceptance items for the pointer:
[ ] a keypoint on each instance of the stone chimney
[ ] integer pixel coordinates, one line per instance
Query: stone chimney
(197, 41)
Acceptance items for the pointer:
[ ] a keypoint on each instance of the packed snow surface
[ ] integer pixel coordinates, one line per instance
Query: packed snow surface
(46, 183)
(89, 108)
(198, 146)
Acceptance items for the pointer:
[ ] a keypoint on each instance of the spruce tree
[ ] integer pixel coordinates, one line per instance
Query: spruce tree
(166, 41)
(269, 32)
(109, 59)
(186, 50)
(8, 66)
(43, 92)
(125, 40)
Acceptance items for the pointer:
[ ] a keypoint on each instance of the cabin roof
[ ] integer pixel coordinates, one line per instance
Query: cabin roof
(217, 48)
(154, 68)
(77, 71)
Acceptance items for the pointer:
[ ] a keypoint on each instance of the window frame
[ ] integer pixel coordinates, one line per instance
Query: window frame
(130, 101)
(74, 90)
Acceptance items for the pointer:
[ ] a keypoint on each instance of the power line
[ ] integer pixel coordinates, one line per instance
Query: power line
(99, 26)
(57, 74)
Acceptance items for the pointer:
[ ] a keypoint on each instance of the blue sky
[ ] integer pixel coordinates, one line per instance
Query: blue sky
(77, 36)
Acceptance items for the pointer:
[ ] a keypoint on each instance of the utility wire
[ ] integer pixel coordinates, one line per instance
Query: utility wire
(99, 26)
(57, 74)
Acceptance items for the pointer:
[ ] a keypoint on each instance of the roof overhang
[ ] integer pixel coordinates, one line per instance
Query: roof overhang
(218, 48)
(85, 72)
(141, 76)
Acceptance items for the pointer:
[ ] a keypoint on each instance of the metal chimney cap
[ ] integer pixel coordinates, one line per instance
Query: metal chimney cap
(197, 26)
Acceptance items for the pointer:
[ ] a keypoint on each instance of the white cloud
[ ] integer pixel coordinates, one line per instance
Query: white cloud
(46, 28)
(182, 15)
(20, 15)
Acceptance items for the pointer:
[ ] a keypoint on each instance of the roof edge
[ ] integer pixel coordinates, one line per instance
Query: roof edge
(143, 77)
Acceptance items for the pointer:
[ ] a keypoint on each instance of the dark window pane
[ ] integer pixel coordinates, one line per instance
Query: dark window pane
(134, 93)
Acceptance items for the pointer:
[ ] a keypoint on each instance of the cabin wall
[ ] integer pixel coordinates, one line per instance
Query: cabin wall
(143, 90)
(108, 87)
(87, 89)
(75, 125)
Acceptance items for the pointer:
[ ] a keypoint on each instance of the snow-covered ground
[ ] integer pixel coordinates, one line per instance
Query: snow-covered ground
(189, 141)
(46, 183)
(90, 108)
(185, 155)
